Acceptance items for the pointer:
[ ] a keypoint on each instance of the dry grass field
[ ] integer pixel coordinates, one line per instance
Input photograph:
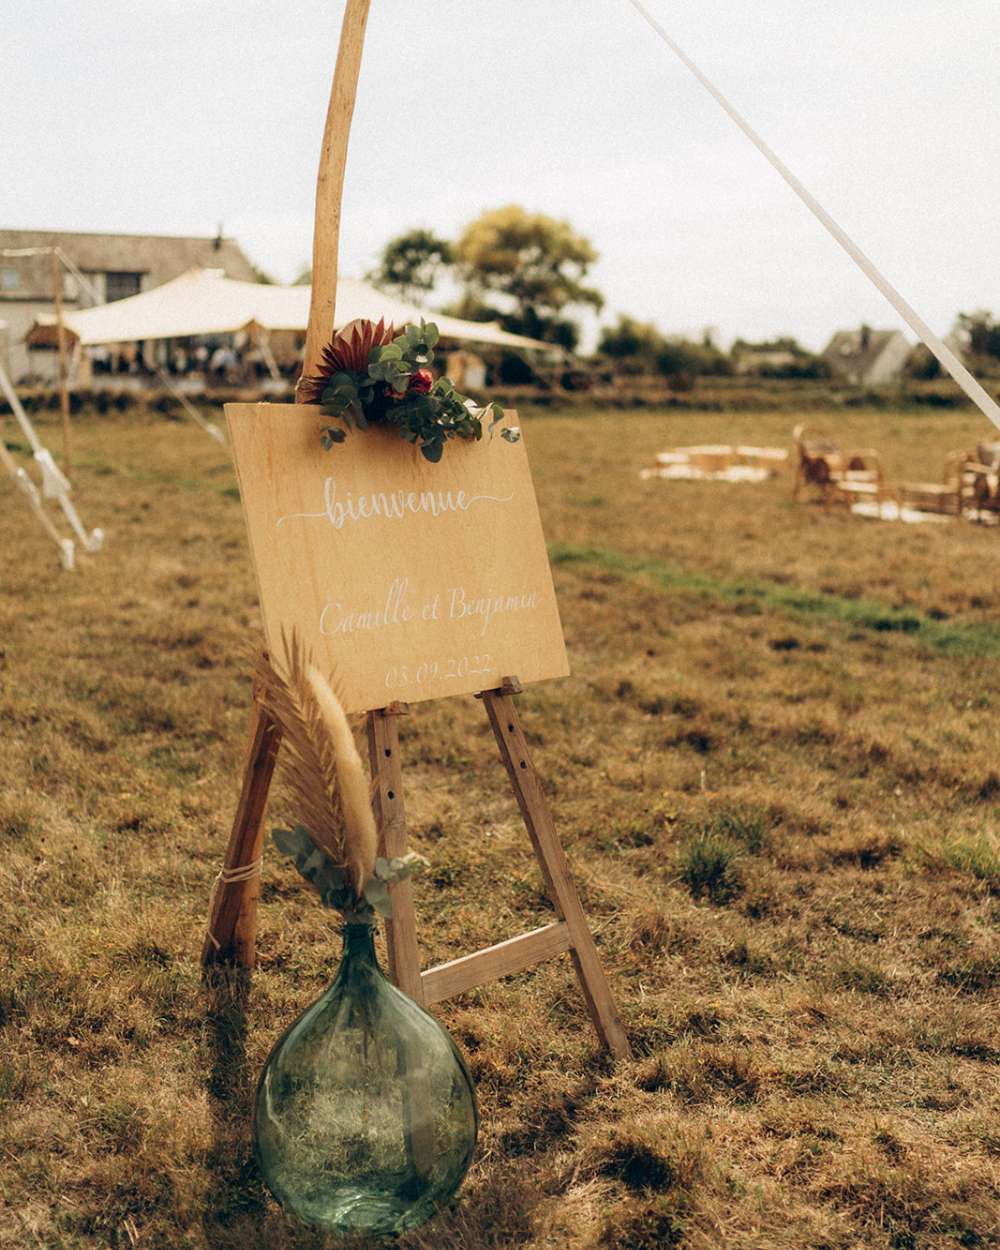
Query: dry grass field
(776, 769)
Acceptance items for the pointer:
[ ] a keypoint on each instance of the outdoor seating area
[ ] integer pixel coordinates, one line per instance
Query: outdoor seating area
(969, 485)
(824, 471)
(718, 463)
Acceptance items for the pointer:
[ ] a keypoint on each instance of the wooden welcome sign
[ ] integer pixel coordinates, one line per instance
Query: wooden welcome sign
(407, 579)
(411, 581)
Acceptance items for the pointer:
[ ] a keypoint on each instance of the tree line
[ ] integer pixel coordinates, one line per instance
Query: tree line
(528, 271)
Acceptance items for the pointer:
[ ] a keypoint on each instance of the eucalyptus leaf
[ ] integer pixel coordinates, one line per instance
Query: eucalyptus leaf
(377, 894)
(292, 841)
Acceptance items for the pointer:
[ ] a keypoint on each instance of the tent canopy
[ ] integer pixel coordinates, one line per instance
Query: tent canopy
(205, 302)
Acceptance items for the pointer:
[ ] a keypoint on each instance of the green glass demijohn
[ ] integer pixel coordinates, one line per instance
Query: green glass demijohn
(366, 1114)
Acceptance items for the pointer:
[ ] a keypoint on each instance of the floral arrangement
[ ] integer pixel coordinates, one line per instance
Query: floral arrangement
(334, 846)
(370, 375)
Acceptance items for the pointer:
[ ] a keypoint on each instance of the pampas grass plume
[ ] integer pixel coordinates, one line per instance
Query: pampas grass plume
(360, 837)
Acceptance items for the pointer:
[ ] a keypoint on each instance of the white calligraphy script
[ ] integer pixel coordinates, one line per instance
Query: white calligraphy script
(393, 505)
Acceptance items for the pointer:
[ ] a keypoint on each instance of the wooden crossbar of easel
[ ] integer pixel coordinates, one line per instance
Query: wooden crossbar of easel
(232, 925)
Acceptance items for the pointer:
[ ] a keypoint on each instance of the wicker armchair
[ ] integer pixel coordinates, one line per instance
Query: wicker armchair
(981, 489)
(949, 497)
(838, 475)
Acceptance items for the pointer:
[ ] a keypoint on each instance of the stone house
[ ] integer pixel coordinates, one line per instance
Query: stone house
(867, 357)
(115, 266)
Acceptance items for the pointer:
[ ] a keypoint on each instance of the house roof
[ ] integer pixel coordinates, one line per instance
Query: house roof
(160, 257)
(205, 302)
(858, 349)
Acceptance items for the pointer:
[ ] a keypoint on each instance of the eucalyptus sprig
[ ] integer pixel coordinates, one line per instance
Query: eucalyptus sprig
(332, 881)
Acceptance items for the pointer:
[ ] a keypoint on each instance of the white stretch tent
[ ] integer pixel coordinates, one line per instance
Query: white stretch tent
(204, 302)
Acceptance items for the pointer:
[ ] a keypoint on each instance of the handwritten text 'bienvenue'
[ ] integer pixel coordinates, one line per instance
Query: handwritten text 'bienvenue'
(393, 505)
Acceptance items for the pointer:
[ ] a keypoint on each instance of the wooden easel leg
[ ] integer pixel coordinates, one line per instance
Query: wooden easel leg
(555, 868)
(232, 921)
(390, 816)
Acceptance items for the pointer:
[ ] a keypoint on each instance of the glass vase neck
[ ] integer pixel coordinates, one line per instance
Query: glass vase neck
(359, 942)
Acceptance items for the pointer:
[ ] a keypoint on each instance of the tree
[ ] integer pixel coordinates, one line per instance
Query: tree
(630, 340)
(412, 263)
(681, 358)
(535, 262)
(304, 276)
(979, 333)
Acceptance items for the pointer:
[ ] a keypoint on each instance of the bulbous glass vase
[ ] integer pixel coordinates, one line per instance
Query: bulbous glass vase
(366, 1115)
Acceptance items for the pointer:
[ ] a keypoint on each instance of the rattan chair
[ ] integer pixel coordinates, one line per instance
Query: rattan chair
(839, 476)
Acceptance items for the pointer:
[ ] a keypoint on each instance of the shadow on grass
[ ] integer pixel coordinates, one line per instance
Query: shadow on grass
(235, 1201)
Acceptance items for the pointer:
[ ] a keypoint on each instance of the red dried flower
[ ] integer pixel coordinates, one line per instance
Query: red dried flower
(347, 352)
(421, 382)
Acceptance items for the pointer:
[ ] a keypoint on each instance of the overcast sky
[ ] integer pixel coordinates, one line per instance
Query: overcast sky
(170, 116)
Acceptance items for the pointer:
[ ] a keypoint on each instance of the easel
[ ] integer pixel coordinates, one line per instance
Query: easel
(232, 923)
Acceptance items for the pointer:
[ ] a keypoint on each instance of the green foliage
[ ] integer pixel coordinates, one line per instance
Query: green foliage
(536, 262)
(630, 340)
(709, 867)
(410, 264)
(390, 872)
(639, 347)
(398, 390)
(979, 333)
(682, 357)
(978, 856)
(331, 881)
(922, 364)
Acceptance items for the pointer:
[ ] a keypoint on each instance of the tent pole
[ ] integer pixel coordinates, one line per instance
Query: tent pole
(330, 183)
(57, 296)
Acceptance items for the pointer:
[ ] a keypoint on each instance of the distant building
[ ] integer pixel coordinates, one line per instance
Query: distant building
(115, 266)
(866, 357)
(755, 360)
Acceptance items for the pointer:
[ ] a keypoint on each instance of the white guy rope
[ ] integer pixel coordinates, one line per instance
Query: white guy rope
(55, 485)
(30, 491)
(983, 401)
(210, 428)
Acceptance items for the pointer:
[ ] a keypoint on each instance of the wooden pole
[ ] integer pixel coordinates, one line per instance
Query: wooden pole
(330, 183)
(387, 796)
(555, 869)
(232, 920)
(57, 296)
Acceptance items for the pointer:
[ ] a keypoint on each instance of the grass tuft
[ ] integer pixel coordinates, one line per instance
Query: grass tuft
(709, 866)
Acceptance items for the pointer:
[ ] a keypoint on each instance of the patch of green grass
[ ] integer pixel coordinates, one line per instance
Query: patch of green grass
(861, 977)
(709, 867)
(750, 827)
(977, 856)
(947, 637)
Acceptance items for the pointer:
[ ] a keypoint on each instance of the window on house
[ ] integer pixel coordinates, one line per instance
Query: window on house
(121, 285)
(10, 279)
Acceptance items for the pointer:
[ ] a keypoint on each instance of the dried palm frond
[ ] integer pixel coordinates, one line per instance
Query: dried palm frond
(309, 755)
(360, 837)
(347, 352)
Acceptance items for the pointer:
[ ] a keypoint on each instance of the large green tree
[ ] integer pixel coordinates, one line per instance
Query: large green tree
(411, 264)
(631, 341)
(535, 263)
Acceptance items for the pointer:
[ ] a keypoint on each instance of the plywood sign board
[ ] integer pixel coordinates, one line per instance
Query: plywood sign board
(408, 579)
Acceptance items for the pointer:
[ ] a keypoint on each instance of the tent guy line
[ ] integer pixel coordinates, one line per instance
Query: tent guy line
(983, 401)
(210, 428)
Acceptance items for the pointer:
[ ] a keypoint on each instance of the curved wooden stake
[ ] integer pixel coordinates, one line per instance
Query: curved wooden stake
(330, 183)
